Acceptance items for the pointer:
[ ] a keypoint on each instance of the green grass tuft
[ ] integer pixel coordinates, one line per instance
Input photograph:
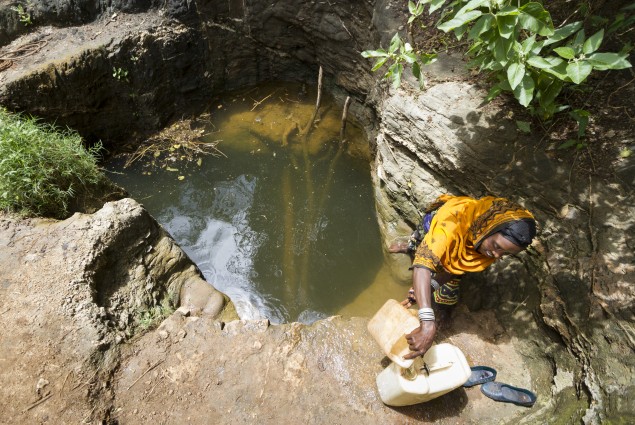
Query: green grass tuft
(42, 167)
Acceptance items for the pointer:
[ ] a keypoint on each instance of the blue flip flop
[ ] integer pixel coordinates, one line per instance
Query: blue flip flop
(508, 394)
(480, 375)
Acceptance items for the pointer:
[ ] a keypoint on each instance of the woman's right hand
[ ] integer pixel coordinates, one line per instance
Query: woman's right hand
(421, 339)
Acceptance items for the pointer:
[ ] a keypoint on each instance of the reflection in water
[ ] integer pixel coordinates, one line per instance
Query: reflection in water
(285, 226)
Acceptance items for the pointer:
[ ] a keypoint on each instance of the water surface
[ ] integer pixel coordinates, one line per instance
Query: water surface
(284, 224)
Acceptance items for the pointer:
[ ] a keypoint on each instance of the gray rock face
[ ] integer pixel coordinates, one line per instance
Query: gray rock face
(112, 81)
(63, 13)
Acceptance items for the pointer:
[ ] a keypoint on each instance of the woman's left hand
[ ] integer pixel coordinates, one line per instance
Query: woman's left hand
(410, 300)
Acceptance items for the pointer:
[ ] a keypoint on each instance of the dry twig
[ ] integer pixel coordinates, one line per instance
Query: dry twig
(344, 117)
(144, 373)
(5, 64)
(24, 51)
(153, 387)
(65, 379)
(37, 403)
(258, 102)
(81, 384)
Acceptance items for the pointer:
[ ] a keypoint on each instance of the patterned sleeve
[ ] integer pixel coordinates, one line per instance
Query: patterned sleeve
(439, 242)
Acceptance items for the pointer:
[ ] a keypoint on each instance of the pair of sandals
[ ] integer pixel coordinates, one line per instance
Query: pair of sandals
(497, 390)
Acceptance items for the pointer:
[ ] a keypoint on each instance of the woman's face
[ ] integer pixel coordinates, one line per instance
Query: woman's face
(496, 246)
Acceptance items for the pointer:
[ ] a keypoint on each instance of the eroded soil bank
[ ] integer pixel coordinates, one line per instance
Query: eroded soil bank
(558, 319)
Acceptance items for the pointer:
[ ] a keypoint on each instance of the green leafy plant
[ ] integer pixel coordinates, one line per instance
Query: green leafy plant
(120, 74)
(398, 54)
(150, 318)
(42, 167)
(516, 43)
(23, 15)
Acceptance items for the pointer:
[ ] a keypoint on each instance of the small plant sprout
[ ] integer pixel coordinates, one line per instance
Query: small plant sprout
(23, 15)
(398, 54)
(120, 74)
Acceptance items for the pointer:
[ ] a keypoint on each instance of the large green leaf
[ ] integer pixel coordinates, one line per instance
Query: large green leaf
(562, 33)
(528, 44)
(474, 48)
(604, 61)
(541, 63)
(565, 52)
(538, 45)
(415, 9)
(471, 5)
(375, 53)
(593, 43)
(501, 49)
(409, 57)
(490, 35)
(524, 92)
(578, 40)
(547, 95)
(504, 84)
(483, 24)
(395, 44)
(508, 11)
(435, 4)
(459, 20)
(559, 71)
(579, 70)
(535, 18)
(395, 71)
(379, 63)
(418, 73)
(506, 24)
(460, 31)
(515, 74)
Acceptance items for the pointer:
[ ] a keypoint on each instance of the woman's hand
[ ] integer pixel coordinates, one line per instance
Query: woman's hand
(410, 299)
(421, 339)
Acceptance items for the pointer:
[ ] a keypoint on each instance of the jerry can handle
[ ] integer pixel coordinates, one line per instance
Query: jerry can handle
(436, 366)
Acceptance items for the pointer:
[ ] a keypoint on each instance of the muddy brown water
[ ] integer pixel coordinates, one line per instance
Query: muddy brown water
(284, 224)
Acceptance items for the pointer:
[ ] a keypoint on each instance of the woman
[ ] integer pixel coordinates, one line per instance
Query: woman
(459, 235)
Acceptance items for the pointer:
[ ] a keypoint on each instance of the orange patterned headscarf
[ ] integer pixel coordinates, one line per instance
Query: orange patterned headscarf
(459, 227)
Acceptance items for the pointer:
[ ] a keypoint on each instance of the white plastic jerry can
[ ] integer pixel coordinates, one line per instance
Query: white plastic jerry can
(442, 369)
(389, 326)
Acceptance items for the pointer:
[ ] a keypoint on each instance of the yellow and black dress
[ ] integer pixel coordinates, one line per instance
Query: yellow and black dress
(457, 229)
